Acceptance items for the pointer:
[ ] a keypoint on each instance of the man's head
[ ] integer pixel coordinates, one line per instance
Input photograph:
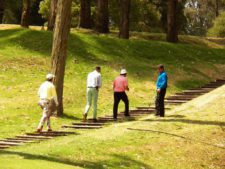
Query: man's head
(123, 72)
(98, 69)
(160, 68)
(50, 77)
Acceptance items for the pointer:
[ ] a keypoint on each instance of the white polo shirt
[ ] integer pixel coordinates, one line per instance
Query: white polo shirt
(94, 79)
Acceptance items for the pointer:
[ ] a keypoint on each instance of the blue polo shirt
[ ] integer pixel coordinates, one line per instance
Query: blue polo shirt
(162, 81)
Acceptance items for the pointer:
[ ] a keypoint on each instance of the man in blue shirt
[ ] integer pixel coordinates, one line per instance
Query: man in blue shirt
(161, 91)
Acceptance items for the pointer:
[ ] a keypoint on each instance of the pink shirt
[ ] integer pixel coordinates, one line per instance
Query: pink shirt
(120, 84)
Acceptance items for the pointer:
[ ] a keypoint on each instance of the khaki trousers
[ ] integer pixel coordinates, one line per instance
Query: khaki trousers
(48, 107)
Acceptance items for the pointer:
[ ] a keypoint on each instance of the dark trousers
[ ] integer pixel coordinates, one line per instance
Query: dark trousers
(117, 97)
(159, 103)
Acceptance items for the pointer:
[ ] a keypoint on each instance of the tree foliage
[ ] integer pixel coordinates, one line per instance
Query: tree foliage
(218, 29)
(200, 15)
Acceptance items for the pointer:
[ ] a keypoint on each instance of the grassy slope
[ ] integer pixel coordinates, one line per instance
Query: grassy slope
(193, 137)
(24, 62)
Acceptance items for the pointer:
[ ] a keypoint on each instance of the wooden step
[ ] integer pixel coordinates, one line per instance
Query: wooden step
(109, 118)
(188, 94)
(6, 143)
(59, 132)
(89, 123)
(46, 134)
(150, 108)
(142, 111)
(177, 98)
(181, 97)
(81, 127)
(196, 91)
(175, 101)
(35, 137)
(13, 140)
(4, 147)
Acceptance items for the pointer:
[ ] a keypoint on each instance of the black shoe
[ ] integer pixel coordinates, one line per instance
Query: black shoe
(115, 119)
(95, 120)
(127, 115)
(157, 115)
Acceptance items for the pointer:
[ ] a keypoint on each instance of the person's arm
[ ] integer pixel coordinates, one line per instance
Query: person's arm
(163, 83)
(126, 84)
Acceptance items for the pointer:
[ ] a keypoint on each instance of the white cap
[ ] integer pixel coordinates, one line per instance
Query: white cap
(50, 76)
(123, 72)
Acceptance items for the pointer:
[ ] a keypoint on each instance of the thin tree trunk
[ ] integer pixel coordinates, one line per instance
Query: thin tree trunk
(25, 14)
(59, 47)
(85, 14)
(2, 8)
(172, 32)
(52, 15)
(102, 25)
(125, 19)
(217, 8)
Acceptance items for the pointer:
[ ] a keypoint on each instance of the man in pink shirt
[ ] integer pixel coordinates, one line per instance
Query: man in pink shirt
(120, 85)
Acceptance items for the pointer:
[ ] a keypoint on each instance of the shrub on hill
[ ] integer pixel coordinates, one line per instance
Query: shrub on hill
(218, 29)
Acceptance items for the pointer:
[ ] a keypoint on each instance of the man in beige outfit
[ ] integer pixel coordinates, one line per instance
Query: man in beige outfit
(48, 101)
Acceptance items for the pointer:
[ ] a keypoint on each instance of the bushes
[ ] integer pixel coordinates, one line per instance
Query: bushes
(218, 29)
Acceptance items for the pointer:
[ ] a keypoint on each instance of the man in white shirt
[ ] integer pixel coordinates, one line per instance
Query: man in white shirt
(48, 101)
(94, 82)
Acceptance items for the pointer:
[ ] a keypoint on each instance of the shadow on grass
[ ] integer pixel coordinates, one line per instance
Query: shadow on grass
(179, 136)
(177, 116)
(199, 122)
(120, 161)
(70, 117)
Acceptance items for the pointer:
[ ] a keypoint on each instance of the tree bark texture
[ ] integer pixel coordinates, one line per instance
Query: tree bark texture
(52, 15)
(172, 27)
(59, 47)
(25, 14)
(124, 19)
(102, 23)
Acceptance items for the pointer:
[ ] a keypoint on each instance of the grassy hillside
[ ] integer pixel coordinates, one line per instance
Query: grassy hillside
(24, 61)
(191, 136)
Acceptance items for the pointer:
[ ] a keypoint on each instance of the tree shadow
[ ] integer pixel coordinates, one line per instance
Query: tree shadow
(67, 116)
(179, 136)
(199, 122)
(177, 116)
(120, 161)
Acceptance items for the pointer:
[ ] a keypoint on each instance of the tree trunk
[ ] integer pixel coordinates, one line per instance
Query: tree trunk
(52, 15)
(102, 25)
(25, 14)
(124, 19)
(2, 8)
(217, 8)
(85, 14)
(172, 32)
(59, 47)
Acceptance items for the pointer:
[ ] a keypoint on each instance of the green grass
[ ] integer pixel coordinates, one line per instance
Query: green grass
(191, 136)
(24, 61)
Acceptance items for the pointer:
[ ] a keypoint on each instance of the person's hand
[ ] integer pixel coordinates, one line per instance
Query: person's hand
(158, 90)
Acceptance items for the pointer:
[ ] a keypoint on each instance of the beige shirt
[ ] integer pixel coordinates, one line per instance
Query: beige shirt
(47, 91)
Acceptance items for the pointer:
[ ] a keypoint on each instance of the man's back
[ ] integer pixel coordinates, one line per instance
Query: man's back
(94, 79)
(120, 84)
(162, 81)
(47, 90)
